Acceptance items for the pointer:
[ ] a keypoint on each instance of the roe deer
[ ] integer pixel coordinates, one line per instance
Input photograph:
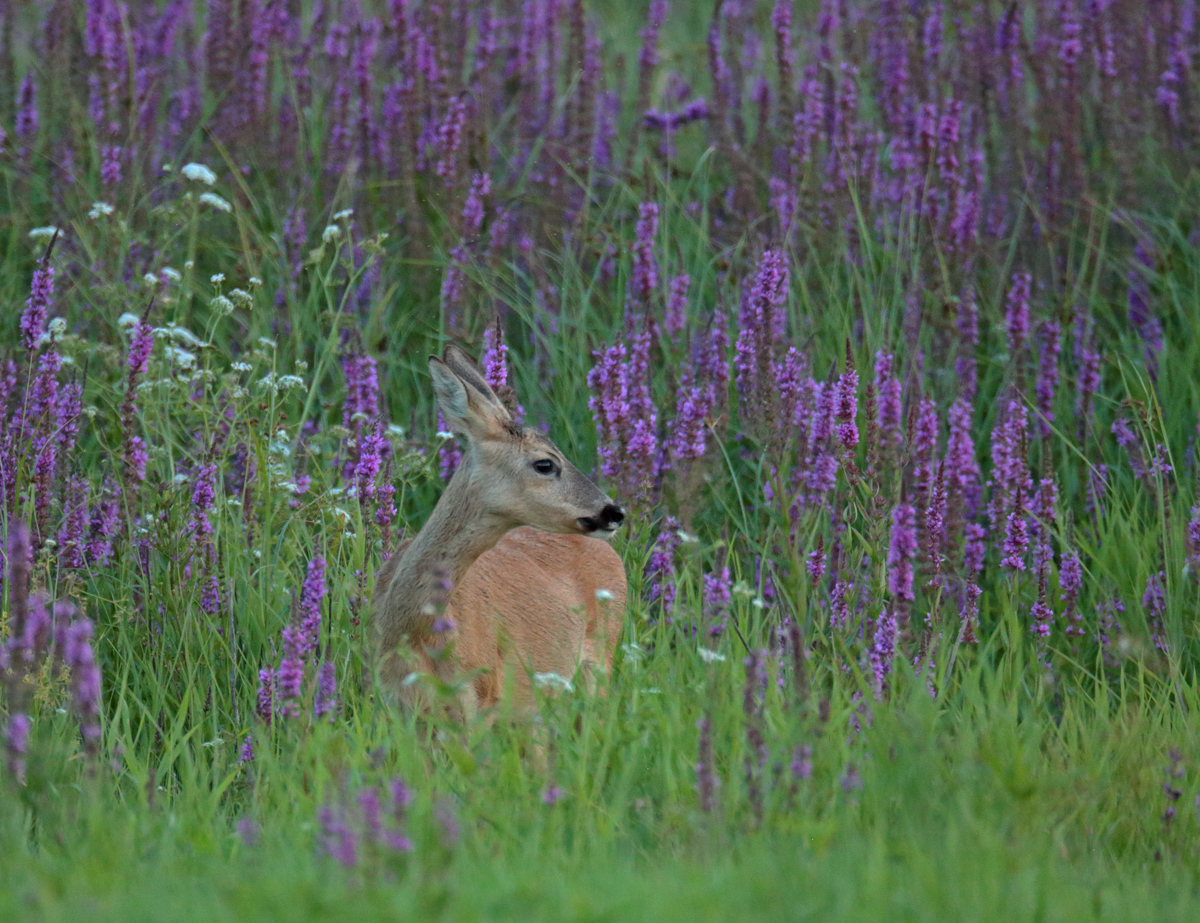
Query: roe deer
(546, 599)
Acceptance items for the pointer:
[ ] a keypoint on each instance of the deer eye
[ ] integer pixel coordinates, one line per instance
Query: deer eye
(544, 466)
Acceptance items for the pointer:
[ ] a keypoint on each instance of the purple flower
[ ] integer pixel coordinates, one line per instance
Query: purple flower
(472, 213)
(643, 281)
(901, 552)
(266, 693)
(362, 391)
(27, 110)
(1050, 336)
(369, 464)
(802, 764)
(338, 841)
(110, 165)
(887, 387)
(85, 682)
(1016, 312)
(847, 405)
(675, 318)
(312, 593)
(289, 678)
(883, 647)
(660, 569)
(247, 754)
(37, 307)
(970, 613)
(325, 702)
(552, 795)
(16, 745)
(449, 138)
(70, 536)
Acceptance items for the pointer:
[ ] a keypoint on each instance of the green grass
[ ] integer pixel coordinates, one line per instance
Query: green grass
(1010, 781)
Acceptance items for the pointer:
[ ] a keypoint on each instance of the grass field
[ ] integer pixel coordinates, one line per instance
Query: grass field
(878, 318)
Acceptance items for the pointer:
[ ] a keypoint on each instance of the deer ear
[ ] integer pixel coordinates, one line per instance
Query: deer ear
(465, 410)
(462, 366)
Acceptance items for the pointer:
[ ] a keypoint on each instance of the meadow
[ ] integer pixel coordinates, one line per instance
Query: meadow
(879, 318)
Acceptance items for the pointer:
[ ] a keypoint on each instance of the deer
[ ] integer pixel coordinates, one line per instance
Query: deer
(519, 538)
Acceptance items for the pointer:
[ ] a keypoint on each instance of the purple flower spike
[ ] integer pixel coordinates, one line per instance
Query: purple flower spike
(37, 307)
(16, 745)
(325, 702)
(85, 682)
(901, 552)
(1016, 312)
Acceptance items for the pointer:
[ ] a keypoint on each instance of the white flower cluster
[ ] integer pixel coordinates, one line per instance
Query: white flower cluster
(199, 173)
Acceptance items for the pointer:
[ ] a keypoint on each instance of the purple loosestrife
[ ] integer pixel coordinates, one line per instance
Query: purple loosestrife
(1070, 582)
(1050, 337)
(902, 551)
(660, 569)
(289, 678)
(449, 140)
(85, 682)
(472, 213)
(883, 649)
(964, 473)
(338, 840)
(370, 461)
(312, 594)
(103, 526)
(266, 694)
(1016, 314)
(37, 307)
(675, 319)
(643, 279)
(970, 614)
(888, 389)
(325, 700)
(759, 329)
(16, 745)
(70, 536)
(1154, 604)
(847, 405)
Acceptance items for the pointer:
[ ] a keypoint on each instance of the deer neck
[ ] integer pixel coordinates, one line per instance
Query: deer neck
(457, 532)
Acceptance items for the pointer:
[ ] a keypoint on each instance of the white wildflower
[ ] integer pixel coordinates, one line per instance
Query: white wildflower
(58, 327)
(395, 431)
(266, 342)
(290, 381)
(687, 538)
(222, 305)
(241, 296)
(604, 595)
(185, 336)
(171, 275)
(149, 280)
(552, 681)
(242, 367)
(710, 656)
(100, 210)
(199, 173)
(331, 233)
(211, 198)
(44, 233)
(127, 320)
(254, 281)
(217, 278)
(445, 434)
(181, 357)
(343, 214)
(301, 366)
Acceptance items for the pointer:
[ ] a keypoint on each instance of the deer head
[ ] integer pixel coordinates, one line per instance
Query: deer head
(515, 475)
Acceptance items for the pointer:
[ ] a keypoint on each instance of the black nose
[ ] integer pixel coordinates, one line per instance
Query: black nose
(612, 515)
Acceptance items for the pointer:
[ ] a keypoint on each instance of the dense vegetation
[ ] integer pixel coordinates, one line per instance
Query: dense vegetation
(878, 317)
